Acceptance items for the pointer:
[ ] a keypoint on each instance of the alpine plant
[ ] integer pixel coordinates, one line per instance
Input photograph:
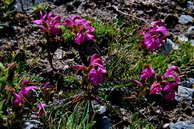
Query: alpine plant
(81, 28)
(167, 87)
(96, 70)
(155, 35)
(23, 93)
(49, 24)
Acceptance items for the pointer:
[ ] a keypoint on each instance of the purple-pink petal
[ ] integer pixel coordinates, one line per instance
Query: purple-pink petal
(171, 72)
(25, 90)
(49, 24)
(18, 99)
(80, 38)
(96, 76)
(163, 30)
(38, 21)
(155, 35)
(98, 73)
(148, 73)
(81, 28)
(155, 88)
(172, 68)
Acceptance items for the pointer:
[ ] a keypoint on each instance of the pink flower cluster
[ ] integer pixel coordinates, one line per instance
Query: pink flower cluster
(81, 28)
(23, 93)
(49, 24)
(97, 73)
(166, 87)
(155, 35)
(147, 73)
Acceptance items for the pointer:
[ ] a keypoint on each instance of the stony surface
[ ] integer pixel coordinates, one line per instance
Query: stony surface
(184, 19)
(184, 94)
(182, 125)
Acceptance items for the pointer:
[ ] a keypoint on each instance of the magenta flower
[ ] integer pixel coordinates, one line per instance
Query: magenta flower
(81, 28)
(49, 24)
(25, 90)
(171, 73)
(155, 88)
(148, 72)
(20, 97)
(155, 35)
(170, 87)
(98, 73)
(41, 109)
(97, 76)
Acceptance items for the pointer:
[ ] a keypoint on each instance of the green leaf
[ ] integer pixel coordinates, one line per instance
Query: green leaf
(8, 2)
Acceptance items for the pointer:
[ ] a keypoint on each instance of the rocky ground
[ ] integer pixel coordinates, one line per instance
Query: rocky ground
(178, 17)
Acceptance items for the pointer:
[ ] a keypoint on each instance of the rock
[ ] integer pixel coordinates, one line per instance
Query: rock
(127, 2)
(32, 124)
(188, 83)
(60, 2)
(183, 38)
(181, 125)
(184, 93)
(165, 126)
(190, 32)
(21, 5)
(168, 46)
(184, 19)
(102, 109)
(59, 54)
(190, 5)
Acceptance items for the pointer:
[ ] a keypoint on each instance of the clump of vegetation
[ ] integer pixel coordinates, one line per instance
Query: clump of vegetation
(111, 56)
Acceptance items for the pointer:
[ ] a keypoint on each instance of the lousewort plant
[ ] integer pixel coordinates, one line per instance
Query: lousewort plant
(49, 24)
(81, 28)
(24, 91)
(165, 85)
(154, 35)
(96, 72)
(147, 73)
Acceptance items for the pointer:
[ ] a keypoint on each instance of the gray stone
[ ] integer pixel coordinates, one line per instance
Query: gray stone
(22, 5)
(168, 46)
(99, 109)
(165, 126)
(190, 32)
(182, 125)
(183, 38)
(190, 5)
(32, 124)
(184, 19)
(102, 109)
(187, 83)
(184, 93)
